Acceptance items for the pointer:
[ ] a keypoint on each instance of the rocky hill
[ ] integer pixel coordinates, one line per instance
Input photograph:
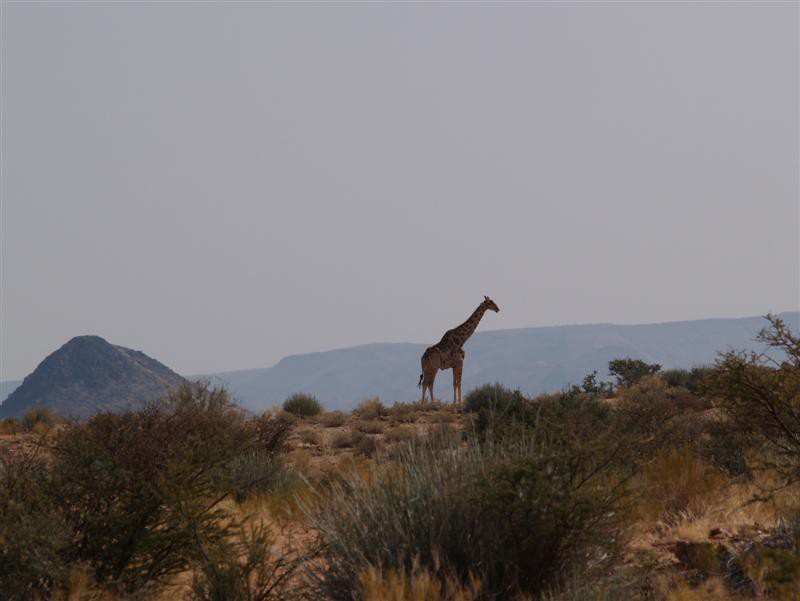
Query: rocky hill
(88, 375)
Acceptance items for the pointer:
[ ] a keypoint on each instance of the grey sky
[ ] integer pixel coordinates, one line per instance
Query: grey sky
(221, 185)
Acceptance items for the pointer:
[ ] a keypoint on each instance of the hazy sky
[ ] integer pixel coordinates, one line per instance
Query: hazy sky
(220, 185)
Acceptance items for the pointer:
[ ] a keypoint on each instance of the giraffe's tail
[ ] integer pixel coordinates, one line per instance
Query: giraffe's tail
(419, 384)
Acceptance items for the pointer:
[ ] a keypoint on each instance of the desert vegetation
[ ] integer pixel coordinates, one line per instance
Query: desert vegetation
(659, 486)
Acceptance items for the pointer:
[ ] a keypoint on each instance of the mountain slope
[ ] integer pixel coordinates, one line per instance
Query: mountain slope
(532, 359)
(88, 375)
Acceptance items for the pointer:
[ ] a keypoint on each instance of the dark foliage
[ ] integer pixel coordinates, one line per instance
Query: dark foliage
(133, 497)
(760, 399)
(33, 534)
(302, 405)
(690, 379)
(629, 371)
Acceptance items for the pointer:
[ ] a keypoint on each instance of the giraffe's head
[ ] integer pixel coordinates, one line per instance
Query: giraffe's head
(490, 304)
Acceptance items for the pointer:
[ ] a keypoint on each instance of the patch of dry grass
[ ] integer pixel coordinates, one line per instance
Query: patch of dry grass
(346, 439)
(372, 426)
(333, 419)
(404, 433)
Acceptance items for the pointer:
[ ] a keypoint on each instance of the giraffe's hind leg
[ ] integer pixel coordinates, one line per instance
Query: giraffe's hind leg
(428, 376)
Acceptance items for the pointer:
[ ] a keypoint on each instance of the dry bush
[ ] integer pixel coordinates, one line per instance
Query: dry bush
(39, 420)
(346, 439)
(679, 483)
(367, 446)
(372, 426)
(310, 437)
(333, 419)
(10, 426)
(370, 409)
(404, 433)
(442, 417)
(403, 413)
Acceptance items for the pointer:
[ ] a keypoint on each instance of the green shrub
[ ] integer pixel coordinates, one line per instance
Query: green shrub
(141, 490)
(493, 397)
(497, 411)
(302, 405)
(518, 515)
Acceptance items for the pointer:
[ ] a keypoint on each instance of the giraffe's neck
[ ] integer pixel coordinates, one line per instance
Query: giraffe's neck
(462, 333)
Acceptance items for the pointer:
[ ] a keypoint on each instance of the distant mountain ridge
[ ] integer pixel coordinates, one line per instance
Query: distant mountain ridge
(87, 375)
(535, 360)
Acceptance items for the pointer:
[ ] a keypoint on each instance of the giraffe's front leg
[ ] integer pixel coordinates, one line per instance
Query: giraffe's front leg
(457, 369)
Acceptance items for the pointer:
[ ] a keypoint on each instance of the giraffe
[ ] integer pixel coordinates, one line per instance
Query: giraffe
(448, 353)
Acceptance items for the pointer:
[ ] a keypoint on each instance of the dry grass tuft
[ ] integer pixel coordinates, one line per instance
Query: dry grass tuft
(679, 484)
(370, 409)
(420, 585)
(403, 413)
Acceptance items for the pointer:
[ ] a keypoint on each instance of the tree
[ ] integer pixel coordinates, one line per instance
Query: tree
(629, 371)
(759, 393)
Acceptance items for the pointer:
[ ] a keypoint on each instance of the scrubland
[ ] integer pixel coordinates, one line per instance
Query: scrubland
(665, 485)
